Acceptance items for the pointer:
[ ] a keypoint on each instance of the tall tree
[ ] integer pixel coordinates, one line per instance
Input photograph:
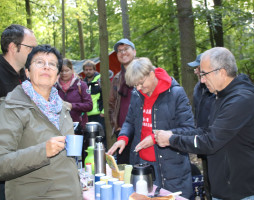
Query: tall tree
(104, 65)
(63, 30)
(218, 32)
(28, 14)
(125, 19)
(81, 37)
(187, 44)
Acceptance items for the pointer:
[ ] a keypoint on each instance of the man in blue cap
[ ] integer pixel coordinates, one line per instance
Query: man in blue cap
(202, 103)
(120, 93)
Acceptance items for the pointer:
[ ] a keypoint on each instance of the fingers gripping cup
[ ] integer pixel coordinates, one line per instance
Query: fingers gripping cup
(74, 145)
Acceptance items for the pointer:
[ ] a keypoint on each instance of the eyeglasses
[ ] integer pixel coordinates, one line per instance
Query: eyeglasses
(41, 63)
(27, 46)
(141, 84)
(203, 74)
(123, 50)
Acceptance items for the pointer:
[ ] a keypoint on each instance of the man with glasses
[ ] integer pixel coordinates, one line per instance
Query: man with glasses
(16, 43)
(229, 140)
(202, 101)
(120, 93)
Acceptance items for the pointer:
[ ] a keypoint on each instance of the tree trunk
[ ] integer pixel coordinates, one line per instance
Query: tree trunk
(125, 19)
(63, 30)
(187, 45)
(104, 66)
(81, 40)
(81, 37)
(28, 15)
(218, 33)
(210, 26)
(91, 31)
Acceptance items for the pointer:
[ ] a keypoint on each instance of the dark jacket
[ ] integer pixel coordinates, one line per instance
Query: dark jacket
(114, 101)
(203, 101)
(78, 95)
(229, 141)
(171, 110)
(9, 78)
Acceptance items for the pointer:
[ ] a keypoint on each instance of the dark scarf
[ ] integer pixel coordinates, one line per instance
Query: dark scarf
(123, 90)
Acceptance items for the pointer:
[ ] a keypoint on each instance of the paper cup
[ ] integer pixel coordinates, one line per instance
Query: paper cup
(106, 192)
(74, 145)
(97, 177)
(126, 191)
(117, 189)
(97, 187)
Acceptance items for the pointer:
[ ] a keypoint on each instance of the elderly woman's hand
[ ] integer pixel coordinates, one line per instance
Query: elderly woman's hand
(162, 137)
(119, 144)
(54, 145)
(145, 143)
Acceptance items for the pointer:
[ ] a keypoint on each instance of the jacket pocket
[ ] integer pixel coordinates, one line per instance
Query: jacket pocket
(27, 190)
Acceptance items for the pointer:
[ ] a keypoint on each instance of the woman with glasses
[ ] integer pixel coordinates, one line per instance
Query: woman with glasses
(33, 124)
(158, 102)
(75, 93)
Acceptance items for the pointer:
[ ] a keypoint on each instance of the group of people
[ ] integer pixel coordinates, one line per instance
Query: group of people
(160, 129)
(149, 112)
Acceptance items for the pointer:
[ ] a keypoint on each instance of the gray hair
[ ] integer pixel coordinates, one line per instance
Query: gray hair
(138, 69)
(221, 58)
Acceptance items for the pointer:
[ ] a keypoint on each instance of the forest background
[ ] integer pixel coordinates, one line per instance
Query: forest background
(169, 32)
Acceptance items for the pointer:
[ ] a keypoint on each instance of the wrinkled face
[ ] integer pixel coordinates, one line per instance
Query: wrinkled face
(43, 71)
(147, 84)
(66, 73)
(89, 71)
(125, 54)
(212, 78)
(26, 46)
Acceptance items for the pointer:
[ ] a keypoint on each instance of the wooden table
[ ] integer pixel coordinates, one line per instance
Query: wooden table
(89, 194)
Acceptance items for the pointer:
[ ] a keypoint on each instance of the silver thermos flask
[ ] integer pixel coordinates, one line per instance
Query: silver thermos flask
(99, 156)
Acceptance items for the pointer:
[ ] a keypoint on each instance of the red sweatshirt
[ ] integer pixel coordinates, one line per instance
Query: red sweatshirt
(164, 83)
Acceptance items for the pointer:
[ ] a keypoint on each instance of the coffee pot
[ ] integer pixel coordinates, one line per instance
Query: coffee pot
(92, 130)
(143, 172)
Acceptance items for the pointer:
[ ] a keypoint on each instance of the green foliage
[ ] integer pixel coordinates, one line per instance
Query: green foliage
(153, 24)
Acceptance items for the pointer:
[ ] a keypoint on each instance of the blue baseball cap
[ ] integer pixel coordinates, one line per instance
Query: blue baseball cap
(196, 62)
(123, 41)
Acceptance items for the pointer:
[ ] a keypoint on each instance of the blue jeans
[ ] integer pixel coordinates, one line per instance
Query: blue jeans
(246, 198)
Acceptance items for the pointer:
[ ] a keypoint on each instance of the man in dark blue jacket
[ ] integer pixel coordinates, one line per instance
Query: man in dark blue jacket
(229, 140)
(203, 100)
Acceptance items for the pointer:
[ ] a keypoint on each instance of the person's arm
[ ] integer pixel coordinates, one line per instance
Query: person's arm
(232, 119)
(86, 105)
(16, 162)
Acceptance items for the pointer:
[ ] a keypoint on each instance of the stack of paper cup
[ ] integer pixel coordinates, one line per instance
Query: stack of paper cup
(97, 177)
(97, 188)
(126, 191)
(106, 192)
(127, 174)
(112, 180)
(105, 178)
(117, 190)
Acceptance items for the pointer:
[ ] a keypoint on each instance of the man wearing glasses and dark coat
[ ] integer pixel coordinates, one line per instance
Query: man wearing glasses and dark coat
(16, 43)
